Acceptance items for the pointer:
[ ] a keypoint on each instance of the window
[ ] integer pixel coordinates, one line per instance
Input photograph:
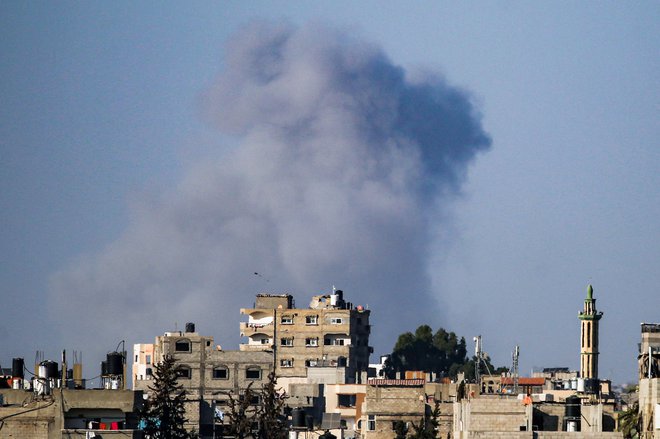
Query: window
(371, 423)
(220, 373)
(312, 320)
(136, 358)
(253, 373)
(148, 359)
(287, 320)
(183, 372)
(254, 399)
(334, 342)
(286, 341)
(336, 321)
(346, 400)
(182, 346)
(311, 363)
(286, 363)
(312, 342)
(265, 341)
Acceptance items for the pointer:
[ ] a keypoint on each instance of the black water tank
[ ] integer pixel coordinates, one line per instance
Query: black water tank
(115, 363)
(298, 418)
(341, 361)
(190, 327)
(17, 366)
(309, 422)
(52, 370)
(104, 368)
(591, 385)
(573, 408)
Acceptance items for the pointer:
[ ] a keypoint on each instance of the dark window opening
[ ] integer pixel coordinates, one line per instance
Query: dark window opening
(182, 346)
(184, 373)
(253, 373)
(220, 373)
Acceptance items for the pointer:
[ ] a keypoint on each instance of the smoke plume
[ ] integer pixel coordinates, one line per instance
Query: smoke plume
(341, 161)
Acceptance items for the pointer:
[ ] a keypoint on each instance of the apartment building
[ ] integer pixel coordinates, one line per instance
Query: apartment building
(329, 333)
(205, 370)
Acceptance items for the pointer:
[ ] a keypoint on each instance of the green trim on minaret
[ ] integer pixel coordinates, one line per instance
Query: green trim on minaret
(590, 292)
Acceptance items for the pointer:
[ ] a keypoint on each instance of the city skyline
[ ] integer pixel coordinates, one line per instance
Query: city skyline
(115, 127)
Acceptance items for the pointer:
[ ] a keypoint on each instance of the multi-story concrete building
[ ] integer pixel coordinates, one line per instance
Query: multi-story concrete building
(330, 333)
(206, 371)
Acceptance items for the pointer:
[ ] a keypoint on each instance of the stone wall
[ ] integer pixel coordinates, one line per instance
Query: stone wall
(494, 414)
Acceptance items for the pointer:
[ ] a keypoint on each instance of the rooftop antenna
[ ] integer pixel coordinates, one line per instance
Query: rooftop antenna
(477, 360)
(480, 357)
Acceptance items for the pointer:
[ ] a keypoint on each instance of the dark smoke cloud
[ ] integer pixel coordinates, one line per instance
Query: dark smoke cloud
(341, 162)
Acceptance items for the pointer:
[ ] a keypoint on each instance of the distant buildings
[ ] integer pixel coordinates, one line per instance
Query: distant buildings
(320, 356)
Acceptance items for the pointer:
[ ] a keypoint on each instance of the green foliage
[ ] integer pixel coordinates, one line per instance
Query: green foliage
(630, 422)
(272, 422)
(442, 353)
(164, 413)
(240, 414)
(247, 418)
(400, 430)
(428, 426)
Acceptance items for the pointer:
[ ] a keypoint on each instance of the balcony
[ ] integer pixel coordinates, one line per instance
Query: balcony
(248, 328)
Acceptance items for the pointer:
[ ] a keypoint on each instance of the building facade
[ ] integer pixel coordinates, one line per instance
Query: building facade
(206, 372)
(329, 333)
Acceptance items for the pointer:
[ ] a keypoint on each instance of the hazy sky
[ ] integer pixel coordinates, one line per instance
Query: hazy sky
(470, 165)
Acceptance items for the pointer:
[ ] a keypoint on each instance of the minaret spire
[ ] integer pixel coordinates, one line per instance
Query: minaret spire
(589, 318)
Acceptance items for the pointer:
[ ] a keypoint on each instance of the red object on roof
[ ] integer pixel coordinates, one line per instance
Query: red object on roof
(524, 381)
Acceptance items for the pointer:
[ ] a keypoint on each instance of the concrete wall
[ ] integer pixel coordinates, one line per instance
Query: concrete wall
(649, 397)
(535, 435)
(492, 414)
(203, 388)
(389, 404)
(28, 417)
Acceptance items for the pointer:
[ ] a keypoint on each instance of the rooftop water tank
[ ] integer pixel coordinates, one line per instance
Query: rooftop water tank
(17, 366)
(115, 363)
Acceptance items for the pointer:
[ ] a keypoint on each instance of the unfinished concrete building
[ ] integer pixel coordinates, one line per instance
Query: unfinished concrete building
(69, 414)
(329, 333)
(389, 402)
(206, 371)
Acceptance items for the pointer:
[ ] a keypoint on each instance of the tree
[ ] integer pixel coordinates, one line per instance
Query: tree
(428, 426)
(442, 353)
(272, 423)
(240, 414)
(257, 414)
(163, 415)
(630, 422)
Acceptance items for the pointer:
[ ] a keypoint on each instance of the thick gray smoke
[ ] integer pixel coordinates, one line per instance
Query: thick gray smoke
(341, 161)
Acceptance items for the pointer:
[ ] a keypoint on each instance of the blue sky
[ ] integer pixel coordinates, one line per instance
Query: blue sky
(102, 109)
